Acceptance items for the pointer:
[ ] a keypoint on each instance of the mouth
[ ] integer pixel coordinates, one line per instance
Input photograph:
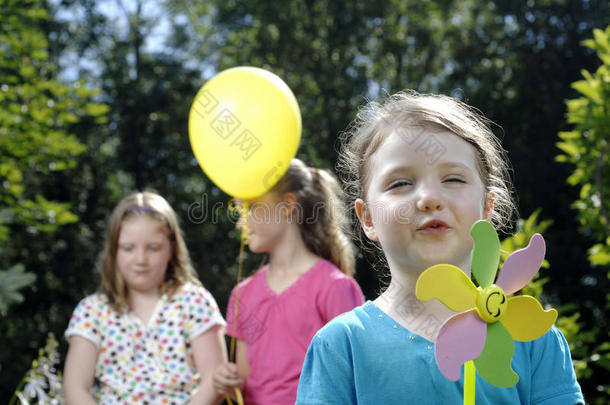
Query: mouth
(433, 226)
(140, 271)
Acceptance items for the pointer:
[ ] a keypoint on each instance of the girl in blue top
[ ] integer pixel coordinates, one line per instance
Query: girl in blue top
(422, 169)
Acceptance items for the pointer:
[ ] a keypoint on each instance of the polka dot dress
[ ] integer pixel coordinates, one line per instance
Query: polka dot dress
(152, 363)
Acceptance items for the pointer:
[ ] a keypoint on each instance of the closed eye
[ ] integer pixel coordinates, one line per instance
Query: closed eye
(455, 180)
(398, 183)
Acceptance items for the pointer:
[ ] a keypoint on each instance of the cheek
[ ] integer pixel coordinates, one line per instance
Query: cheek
(392, 214)
(121, 258)
(166, 256)
(472, 208)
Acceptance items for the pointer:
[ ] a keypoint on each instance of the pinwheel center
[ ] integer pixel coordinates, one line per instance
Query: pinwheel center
(491, 303)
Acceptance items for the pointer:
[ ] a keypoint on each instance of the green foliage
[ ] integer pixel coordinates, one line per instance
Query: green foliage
(11, 281)
(40, 121)
(587, 148)
(37, 110)
(587, 353)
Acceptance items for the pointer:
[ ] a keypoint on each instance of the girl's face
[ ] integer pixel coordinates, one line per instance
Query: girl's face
(268, 222)
(422, 199)
(144, 251)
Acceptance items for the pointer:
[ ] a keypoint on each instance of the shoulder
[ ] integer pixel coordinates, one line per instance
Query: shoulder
(330, 281)
(330, 273)
(89, 317)
(251, 281)
(346, 327)
(344, 339)
(192, 292)
(549, 363)
(93, 302)
(552, 341)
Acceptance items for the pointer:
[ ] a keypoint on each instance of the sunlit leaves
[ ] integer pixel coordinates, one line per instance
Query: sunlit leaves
(35, 121)
(587, 148)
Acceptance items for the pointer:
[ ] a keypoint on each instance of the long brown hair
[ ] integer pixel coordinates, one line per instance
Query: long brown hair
(321, 213)
(179, 270)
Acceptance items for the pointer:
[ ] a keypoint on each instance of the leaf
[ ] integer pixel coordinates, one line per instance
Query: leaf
(601, 39)
(11, 281)
(587, 90)
(569, 148)
(599, 255)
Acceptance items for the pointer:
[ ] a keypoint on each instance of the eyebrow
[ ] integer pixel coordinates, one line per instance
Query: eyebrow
(406, 167)
(455, 165)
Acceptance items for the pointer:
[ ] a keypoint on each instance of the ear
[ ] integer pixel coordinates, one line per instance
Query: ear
(488, 209)
(364, 216)
(290, 202)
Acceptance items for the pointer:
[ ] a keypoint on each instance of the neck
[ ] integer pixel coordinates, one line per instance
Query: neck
(291, 255)
(143, 303)
(400, 303)
(139, 298)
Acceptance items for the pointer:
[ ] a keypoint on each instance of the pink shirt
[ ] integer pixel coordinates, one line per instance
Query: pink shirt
(278, 328)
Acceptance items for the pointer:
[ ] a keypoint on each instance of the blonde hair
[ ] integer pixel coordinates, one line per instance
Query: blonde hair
(179, 270)
(411, 110)
(321, 213)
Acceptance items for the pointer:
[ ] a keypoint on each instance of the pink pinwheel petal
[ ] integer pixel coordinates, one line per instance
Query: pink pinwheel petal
(522, 265)
(461, 338)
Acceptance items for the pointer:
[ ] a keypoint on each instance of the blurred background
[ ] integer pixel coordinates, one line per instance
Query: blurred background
(95, 96)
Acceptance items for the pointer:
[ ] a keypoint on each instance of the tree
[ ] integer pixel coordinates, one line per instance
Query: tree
(586, 148)
(37, 146)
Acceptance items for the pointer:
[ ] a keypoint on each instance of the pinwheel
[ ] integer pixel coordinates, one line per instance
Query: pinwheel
(488, 321)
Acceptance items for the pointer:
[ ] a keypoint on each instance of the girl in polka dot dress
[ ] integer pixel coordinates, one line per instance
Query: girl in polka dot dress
(152, 334)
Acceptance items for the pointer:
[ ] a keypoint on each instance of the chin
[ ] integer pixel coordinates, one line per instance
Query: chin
(434, 259)
(254, 248)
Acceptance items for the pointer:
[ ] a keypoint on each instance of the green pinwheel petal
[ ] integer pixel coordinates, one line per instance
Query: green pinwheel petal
(494, 362)
(485, 253)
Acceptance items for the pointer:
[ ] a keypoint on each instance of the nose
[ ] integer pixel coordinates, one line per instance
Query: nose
(429, 198)
(141, 256)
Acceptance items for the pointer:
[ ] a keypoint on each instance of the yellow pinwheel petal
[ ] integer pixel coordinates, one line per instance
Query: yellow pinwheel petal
(525, 319)
(449, 285)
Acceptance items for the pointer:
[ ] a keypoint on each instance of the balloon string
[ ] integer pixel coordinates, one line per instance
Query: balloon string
(245, 234)
(469, 382)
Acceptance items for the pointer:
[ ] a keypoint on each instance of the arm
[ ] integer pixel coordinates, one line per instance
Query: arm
(326, 377)
(79, 371)
(209, 351)
(229, 376)
(553, 378)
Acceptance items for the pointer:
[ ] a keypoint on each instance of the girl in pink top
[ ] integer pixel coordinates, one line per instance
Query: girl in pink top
(301, 224)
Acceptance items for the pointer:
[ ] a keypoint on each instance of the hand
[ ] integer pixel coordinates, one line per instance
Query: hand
(226, 379)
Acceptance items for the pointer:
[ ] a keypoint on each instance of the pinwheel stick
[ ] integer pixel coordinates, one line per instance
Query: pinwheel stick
(245, 233)
(469, 382)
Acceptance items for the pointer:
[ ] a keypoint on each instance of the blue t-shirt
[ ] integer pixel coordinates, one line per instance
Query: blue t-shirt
(365, 357)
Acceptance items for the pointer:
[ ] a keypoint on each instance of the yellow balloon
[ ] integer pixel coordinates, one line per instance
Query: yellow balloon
(244, 128)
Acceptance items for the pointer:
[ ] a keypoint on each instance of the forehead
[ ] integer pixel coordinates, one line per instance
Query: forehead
(268, 198)
(142, 225)
(421, 148)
